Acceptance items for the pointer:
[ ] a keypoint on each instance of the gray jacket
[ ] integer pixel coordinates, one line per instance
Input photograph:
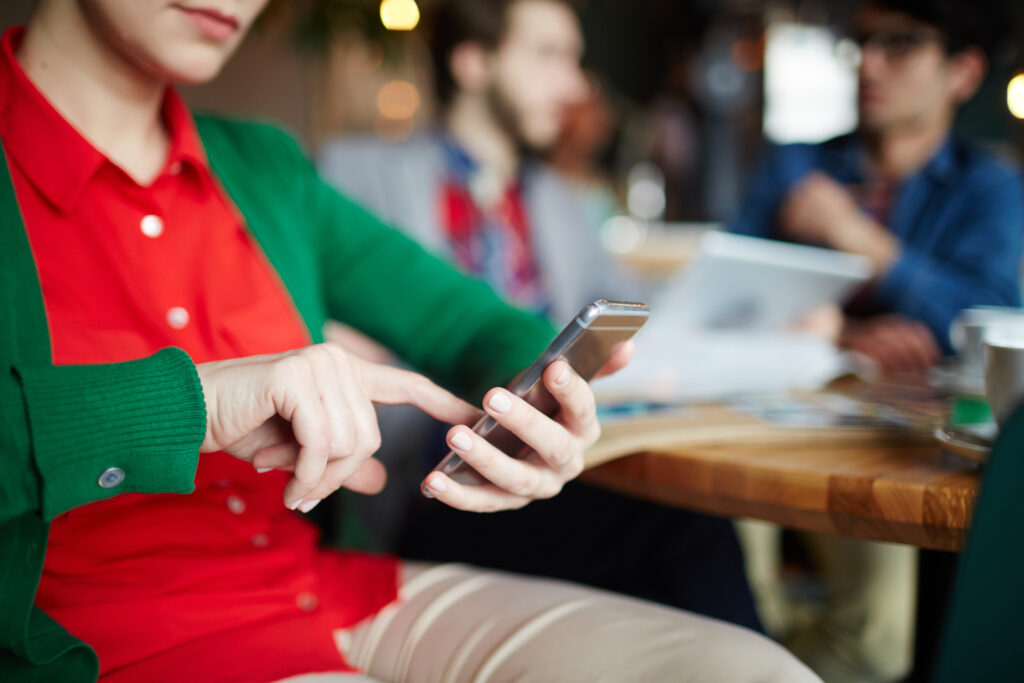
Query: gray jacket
(401, 183)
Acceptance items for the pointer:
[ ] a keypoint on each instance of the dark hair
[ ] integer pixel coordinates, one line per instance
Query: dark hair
(963, 23)
(453, 22)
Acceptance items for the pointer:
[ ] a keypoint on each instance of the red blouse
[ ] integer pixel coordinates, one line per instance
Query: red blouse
(226, 583)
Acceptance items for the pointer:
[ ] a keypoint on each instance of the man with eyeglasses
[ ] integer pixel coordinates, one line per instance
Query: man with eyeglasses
(942, 224)
(941, 221)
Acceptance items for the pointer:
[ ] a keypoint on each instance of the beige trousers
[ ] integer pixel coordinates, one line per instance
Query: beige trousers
(865, 633)
(456, 623)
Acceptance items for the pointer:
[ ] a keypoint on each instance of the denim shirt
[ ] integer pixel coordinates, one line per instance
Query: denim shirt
(959, 220)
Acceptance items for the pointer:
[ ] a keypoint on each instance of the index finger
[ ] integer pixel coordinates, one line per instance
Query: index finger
(388, 385)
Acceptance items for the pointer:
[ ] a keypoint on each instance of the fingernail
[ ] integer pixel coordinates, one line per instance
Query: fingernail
(295, 504)
(500, 403)
(309, 505)
(563, 377)
(263, 470)
(437, 484)
(462, 441)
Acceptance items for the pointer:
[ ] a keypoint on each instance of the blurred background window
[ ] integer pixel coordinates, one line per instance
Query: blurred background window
(810, 83)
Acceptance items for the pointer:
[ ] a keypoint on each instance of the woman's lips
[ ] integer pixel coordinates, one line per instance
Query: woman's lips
(212, 23)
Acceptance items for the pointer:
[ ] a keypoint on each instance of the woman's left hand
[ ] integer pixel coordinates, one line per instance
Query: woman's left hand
(558, 442)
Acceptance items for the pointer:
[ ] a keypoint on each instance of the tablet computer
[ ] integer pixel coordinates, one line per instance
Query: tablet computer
(740, 282)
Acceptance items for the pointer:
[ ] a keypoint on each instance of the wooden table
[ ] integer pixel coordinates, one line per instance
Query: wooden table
(887, 485)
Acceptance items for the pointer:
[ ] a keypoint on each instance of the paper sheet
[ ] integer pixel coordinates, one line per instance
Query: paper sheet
(675, 365)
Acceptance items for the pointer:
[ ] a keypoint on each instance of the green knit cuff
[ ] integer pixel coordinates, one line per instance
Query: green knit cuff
(101, 430)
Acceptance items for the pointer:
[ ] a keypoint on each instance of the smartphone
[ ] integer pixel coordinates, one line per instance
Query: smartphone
(586, 344)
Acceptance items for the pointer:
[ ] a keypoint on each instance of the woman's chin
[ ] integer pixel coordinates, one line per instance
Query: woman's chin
(195, 69)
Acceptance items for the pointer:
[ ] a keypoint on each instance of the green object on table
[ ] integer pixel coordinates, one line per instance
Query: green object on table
(981, 641)
(969, 410)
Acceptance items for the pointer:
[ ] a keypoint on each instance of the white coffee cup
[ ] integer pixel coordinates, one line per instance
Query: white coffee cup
(975, 326)
(1004, 376)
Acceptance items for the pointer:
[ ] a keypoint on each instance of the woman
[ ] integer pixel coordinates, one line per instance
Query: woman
(164, 279)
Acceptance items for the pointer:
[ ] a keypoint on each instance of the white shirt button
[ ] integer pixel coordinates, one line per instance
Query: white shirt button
(306, 602)
(111, 477)
(236, 505)
(260, 540)
(177, 317)
(152, 226)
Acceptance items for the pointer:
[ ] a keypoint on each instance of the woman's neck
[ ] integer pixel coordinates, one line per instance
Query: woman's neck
(109, 100)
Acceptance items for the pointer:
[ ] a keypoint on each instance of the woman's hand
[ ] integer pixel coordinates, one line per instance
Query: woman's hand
(559, 443)
(311, 412)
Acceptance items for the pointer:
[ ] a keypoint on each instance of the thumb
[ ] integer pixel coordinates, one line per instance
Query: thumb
(369, 478)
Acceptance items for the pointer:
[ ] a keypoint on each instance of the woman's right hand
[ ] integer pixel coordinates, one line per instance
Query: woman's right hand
(310, 411)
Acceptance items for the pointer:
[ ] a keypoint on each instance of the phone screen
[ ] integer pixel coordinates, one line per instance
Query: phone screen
(586, 344)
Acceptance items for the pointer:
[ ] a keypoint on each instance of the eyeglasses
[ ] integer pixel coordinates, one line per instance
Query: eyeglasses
(896, 45)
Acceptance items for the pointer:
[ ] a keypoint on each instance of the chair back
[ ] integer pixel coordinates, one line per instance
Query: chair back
(984, 631)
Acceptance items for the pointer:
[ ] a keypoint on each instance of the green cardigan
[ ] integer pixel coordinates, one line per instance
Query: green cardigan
(61, 426)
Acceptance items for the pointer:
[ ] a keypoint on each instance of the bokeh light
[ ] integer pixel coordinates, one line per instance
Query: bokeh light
(645, 193)
(1015, 96)
(399, 15)
(623, 234)
(398, 100)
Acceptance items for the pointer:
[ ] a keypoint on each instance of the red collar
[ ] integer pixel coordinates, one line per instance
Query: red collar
(57, 159)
